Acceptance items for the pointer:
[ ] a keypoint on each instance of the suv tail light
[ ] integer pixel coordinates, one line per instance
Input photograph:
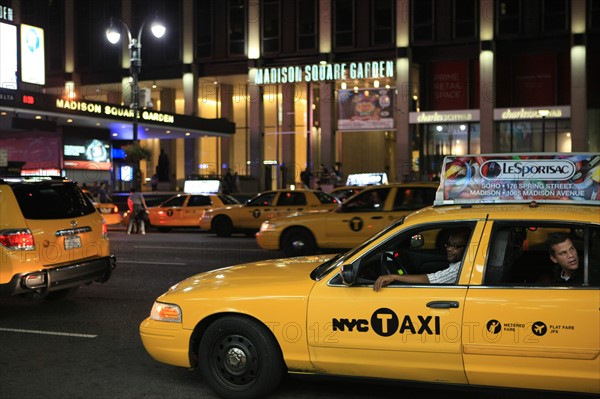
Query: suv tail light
(115, 209)
(17, 239)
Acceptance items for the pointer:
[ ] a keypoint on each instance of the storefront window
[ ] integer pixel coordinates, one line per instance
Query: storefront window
(439, 140)
(553, 135)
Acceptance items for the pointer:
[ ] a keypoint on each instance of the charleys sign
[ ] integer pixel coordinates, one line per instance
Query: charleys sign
(325, 72)
(509, 178)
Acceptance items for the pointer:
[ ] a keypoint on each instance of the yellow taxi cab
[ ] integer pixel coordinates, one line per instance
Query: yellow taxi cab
(184, 210)
(109, 211)
(357, 219)
(503, 317)
(248, 217)
(52, 239)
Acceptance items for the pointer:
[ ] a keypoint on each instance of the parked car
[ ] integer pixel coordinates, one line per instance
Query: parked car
(183, 210)
(357, 219)
(52, 238)
(248, 217)
(500, 322)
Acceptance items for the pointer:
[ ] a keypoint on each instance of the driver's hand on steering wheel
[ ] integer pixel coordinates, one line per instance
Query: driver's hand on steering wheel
(384, 280)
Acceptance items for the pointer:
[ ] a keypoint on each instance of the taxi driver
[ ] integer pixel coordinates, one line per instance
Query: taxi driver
(455, 248)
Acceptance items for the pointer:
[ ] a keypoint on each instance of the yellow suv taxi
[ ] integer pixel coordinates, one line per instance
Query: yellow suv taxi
(52, 239)
(357, 219)
(248, 217)
(496, 284)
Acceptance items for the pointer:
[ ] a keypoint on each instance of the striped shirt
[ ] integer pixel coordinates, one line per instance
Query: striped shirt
(446, 276)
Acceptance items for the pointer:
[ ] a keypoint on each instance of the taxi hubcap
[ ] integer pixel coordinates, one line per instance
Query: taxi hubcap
(236, 359)
(298, 244)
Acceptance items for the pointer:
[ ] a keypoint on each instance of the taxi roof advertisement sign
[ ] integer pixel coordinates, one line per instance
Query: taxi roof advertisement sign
(506, 178)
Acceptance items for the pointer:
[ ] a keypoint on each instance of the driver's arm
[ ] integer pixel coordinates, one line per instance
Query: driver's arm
(387, 279)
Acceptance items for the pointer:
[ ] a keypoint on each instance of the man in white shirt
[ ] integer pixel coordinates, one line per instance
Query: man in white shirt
(455, 248)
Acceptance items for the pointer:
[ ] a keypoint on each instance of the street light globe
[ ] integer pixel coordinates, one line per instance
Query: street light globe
(112, 34)
(158, 29)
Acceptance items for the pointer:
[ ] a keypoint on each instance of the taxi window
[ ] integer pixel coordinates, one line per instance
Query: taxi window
(417, 251)
(413, 198)
(265, 199)
(52, 201)
(199, 200)
(175, 201)
(325, 198)
(367, 201)
(522, 254)
(289, 198)
(228, 199)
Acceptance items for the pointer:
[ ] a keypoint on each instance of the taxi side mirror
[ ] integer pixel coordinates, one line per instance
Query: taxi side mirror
(417, 241)
(349, 273)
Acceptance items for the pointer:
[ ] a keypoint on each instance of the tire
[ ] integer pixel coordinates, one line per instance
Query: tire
(222, 226)
(164, 229)
(240, 359)
(298, 242)
(60, 294)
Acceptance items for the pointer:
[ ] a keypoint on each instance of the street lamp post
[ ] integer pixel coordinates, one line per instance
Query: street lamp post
(113, 35)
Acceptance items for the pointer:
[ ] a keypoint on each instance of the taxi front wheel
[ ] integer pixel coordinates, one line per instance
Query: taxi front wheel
(240, 359)
(222, 226)
(298, 242)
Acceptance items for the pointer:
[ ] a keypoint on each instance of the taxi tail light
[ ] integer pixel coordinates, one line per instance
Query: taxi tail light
(104, 229)
(115, 209)
(35, 280)
(17, 239)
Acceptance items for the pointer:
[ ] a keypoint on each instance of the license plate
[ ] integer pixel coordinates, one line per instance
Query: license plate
(72, 242)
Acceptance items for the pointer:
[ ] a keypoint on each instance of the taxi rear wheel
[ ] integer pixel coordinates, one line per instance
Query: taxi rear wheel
(240, 358)
(222, 226)
(298, 242)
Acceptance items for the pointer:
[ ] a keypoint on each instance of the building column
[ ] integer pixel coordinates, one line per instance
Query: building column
(189, 158)
(404, 90)
(289, 166)
(225, 98)
(487, 94)
(256, 133)
(327, 124)
(580, 138)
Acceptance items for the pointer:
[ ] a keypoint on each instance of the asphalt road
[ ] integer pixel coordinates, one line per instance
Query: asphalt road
(89, 347)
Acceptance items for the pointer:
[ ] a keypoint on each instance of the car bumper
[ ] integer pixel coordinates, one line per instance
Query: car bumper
(166, 342)
(268, 239)
(63, 277)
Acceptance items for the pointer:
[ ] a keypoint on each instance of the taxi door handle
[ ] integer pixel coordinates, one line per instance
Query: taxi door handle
(377, 217)
(443, 304)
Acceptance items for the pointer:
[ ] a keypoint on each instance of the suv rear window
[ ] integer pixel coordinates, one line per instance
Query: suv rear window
(52, 201)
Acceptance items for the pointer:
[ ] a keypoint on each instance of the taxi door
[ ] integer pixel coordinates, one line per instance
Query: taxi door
(257, 210)
(193, 209)
(405, 331)
(290, 202)
(530, 335)
(360, 217)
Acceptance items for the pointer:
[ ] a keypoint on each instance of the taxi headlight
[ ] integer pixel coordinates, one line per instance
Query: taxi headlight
(268, 226)
(166, 312)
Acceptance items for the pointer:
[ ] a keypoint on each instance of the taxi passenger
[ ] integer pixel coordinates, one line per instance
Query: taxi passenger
(455, 248)
(564, 254)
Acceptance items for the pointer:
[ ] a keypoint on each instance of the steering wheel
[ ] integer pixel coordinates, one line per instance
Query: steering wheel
(390, 263)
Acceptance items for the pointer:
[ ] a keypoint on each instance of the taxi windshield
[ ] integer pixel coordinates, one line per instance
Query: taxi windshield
(325, 268)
